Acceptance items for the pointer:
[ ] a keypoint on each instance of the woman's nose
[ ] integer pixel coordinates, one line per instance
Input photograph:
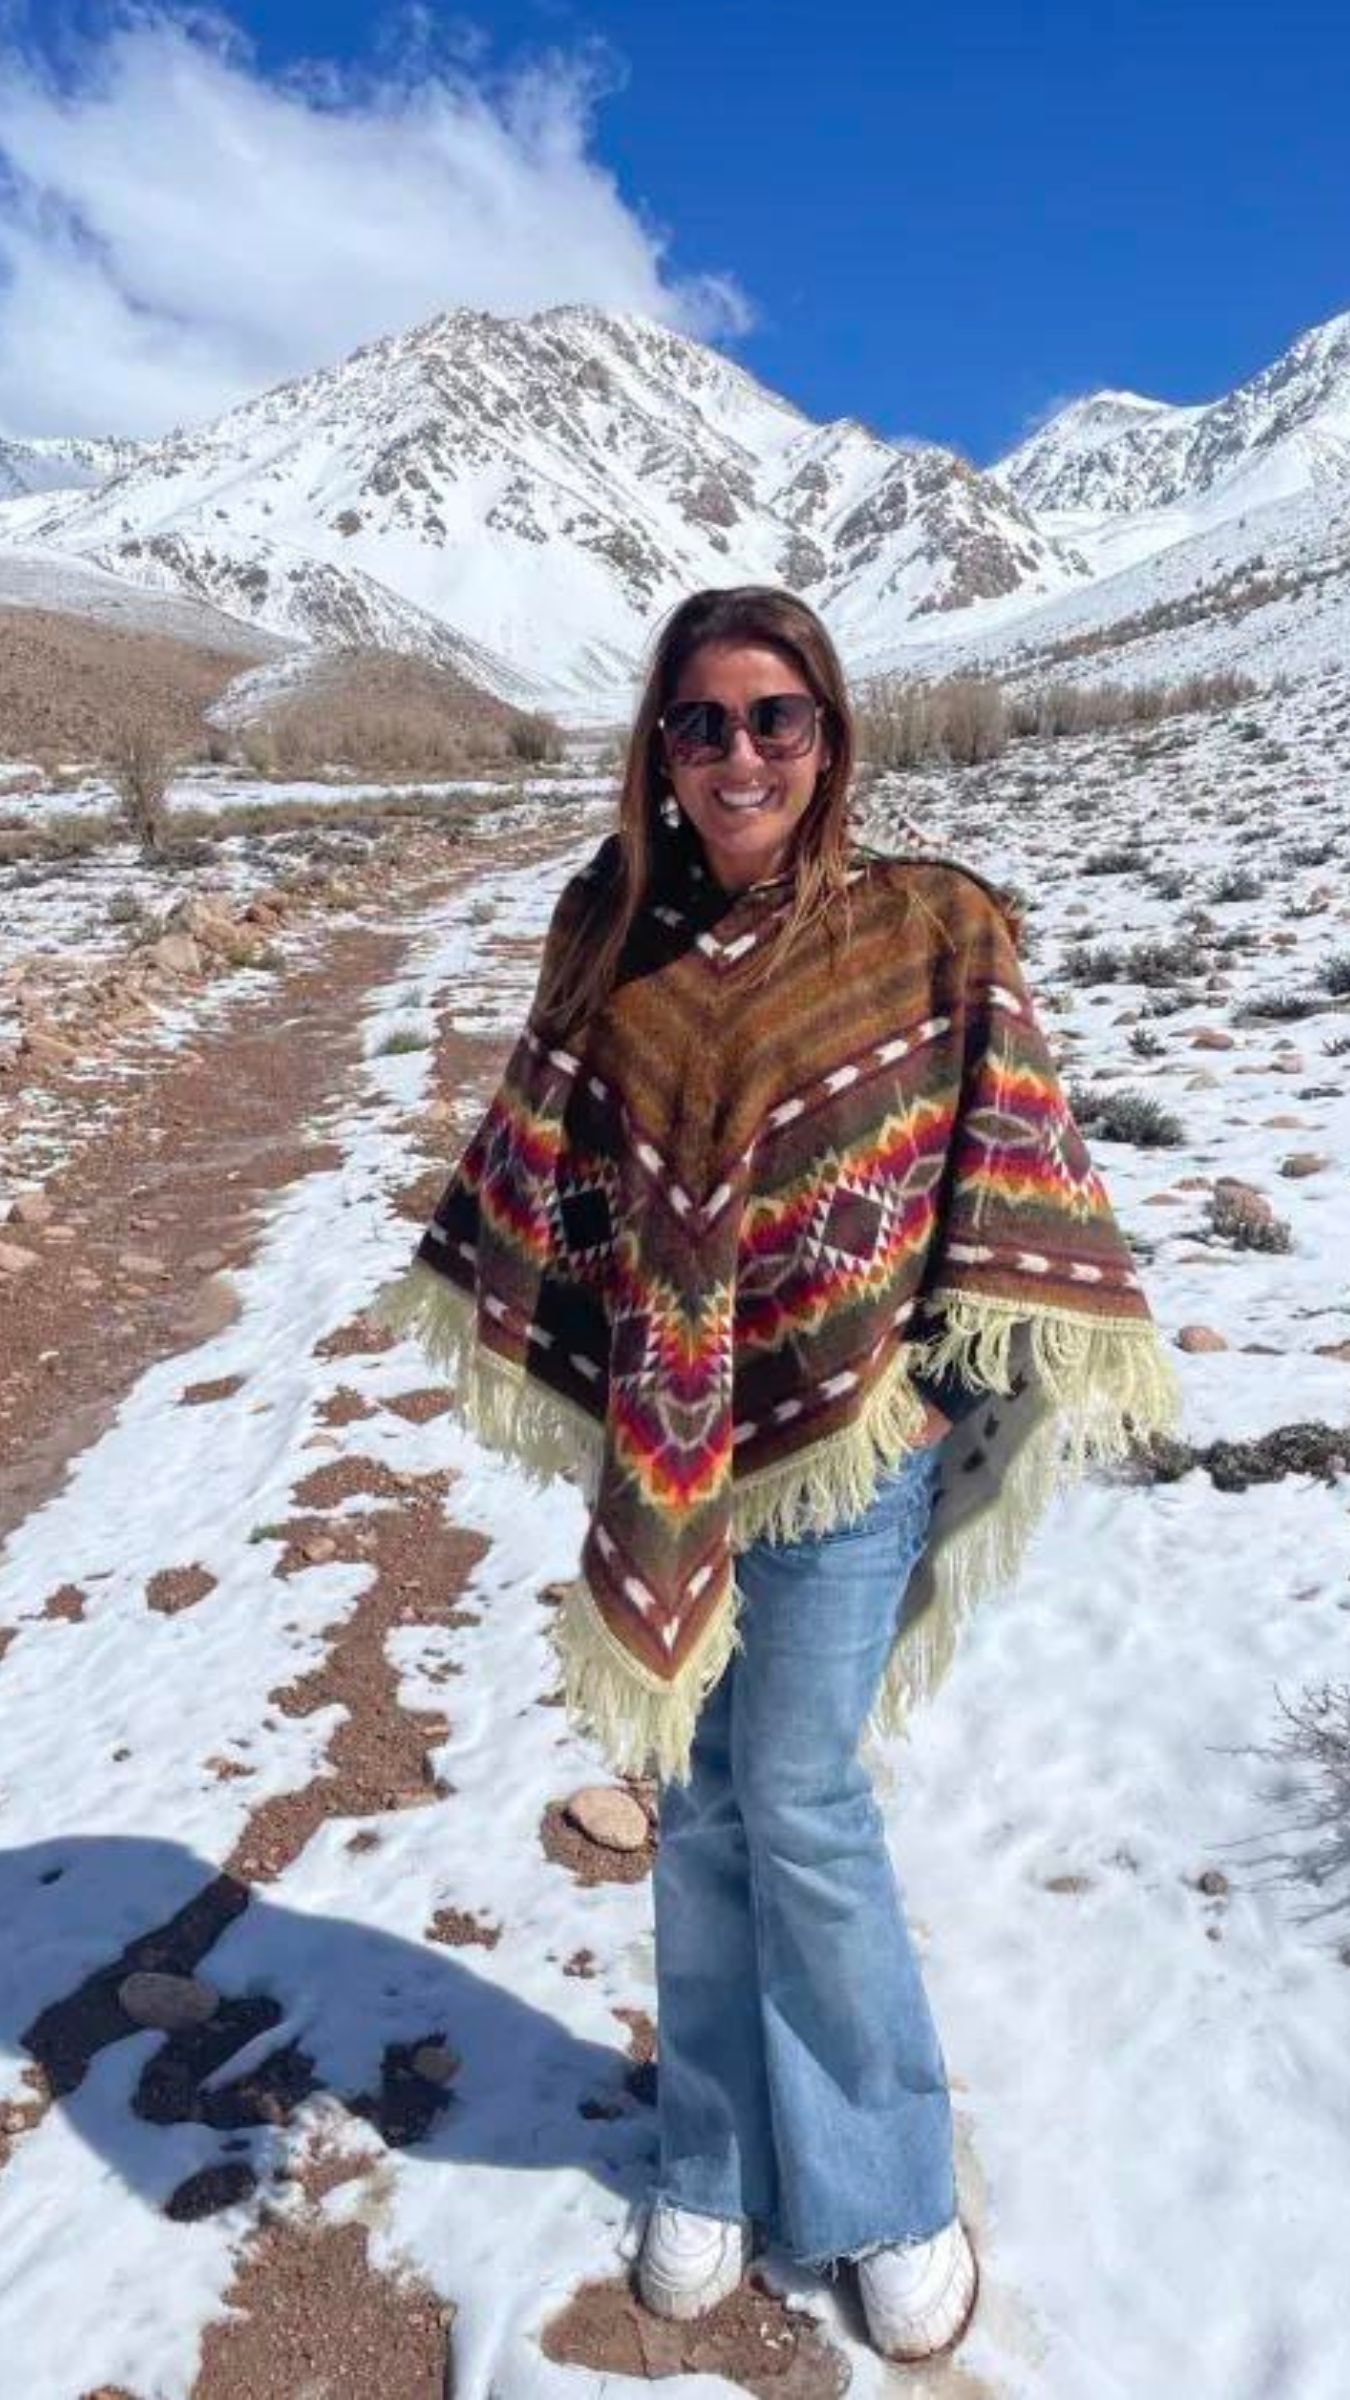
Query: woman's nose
(742, 751)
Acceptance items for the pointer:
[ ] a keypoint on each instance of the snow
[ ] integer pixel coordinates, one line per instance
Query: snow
(37, 576)
(524, 498)
(1148, 2074)
(1153, 2146)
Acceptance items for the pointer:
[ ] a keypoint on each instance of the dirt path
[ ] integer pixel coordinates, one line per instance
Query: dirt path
(161, 1206)
(159, 1203)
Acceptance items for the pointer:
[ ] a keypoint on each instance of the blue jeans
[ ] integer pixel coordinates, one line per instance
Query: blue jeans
(800, 2080)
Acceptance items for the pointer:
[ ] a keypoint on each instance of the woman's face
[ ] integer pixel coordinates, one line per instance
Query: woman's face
(744, 808)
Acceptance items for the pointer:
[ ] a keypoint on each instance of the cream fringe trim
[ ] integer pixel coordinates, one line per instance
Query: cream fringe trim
(1095, 1386)
(537, 1429)
(834, 1481)
(643, 1723)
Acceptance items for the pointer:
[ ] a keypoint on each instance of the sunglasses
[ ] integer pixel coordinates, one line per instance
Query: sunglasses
(781, 725)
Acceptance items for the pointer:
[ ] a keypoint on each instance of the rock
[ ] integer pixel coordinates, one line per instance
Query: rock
(1200, 1337)
(1332, 1350)
(178, 953)
(31, 1208)
(220, 935)
(140, 1262)
(1288, 1063)
(1303, 1162)
(47, 1049)
(1211, 1879)
(608, 1816)
(13, 1260)
(1230, 1191)
(435, 2062)
(318, 1549)
(205, 920)
(1208, 1037)
(167, 2003)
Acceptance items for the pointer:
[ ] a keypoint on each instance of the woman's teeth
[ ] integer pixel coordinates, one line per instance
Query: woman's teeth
(752, 798)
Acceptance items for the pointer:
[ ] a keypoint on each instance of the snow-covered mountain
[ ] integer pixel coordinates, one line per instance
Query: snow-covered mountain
(522, 498)
(1284, 432)
(544, 486)
(61, 463)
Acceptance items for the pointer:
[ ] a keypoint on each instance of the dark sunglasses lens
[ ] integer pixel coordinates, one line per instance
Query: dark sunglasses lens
(697, 728)
(784, 721)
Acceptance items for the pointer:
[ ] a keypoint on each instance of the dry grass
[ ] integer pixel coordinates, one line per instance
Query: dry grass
(379, 712)
(74, 688)
(67, 684)
(71, 834)
(965, 719)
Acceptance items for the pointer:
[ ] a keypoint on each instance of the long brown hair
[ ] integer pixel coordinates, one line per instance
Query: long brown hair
(587, 964)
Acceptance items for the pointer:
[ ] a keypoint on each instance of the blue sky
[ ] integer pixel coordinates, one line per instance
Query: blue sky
(945, 221)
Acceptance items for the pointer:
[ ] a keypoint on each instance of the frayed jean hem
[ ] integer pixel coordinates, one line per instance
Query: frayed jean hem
(829, 2262)
(695, 2208)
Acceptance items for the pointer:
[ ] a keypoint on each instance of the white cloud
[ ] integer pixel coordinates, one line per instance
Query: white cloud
(177, 230)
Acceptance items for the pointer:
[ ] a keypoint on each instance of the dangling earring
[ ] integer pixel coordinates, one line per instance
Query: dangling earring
(670, 810)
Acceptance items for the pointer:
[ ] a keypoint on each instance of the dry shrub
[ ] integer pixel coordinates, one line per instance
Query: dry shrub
(965, 719)
(1246, 1219)
(378, 714)
(535, 740)
(139, 767)
(905, 723)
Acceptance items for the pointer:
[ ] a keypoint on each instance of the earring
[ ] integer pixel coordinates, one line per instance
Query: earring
(670, 809)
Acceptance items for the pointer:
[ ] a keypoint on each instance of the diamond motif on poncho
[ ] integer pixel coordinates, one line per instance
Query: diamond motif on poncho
(581, 1208)
(587, 1226)
(855, 1226)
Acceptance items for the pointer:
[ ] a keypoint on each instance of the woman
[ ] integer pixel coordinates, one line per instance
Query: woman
(780, 1233)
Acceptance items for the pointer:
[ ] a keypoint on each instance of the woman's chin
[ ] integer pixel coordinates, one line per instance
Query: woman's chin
(751, 851)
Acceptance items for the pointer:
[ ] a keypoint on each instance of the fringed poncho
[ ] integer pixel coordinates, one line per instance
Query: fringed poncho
(698, 1257)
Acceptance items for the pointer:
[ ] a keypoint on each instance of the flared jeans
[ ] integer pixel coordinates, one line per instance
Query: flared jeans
(800, 2079)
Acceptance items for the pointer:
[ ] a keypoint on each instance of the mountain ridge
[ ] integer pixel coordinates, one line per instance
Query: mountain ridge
(521, 497)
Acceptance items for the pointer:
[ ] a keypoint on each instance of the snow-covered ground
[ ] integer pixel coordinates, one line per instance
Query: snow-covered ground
(217, 788)
(1155, 2145)
(65, 920)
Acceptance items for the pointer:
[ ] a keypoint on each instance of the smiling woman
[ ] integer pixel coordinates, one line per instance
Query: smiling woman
(781, 1138)
(745, 753)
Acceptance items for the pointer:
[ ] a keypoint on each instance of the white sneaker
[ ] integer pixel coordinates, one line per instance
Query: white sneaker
(689, 2262)
(919, 2297)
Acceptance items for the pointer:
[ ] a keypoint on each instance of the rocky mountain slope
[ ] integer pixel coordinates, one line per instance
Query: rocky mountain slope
(542, 486)
(521, 498)
(1284, 432)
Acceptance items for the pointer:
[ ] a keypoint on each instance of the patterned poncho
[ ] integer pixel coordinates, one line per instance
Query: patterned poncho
(697, 1256)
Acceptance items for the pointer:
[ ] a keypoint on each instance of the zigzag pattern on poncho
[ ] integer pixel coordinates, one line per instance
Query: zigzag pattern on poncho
(699, 1256)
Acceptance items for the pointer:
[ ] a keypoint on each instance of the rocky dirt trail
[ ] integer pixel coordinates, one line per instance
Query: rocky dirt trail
(326, 2036)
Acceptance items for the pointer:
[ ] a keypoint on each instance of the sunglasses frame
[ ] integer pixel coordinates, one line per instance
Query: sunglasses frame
(732, 718)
